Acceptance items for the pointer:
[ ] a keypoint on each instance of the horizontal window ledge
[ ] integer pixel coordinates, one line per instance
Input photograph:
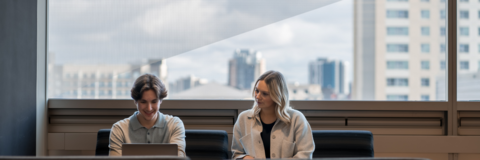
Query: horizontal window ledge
(468, 106)
(247, 104)
(85, 119)
(129, 112)
(470, 122)
(360, 114)
(469, 131)
(112, 119)
(469, 114)
(326, 121)
(394, 122)
(94, 128)
(208, 120)
(387, 122)
(390, 130)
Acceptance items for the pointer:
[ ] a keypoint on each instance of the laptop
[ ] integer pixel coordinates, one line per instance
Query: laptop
(152, 149)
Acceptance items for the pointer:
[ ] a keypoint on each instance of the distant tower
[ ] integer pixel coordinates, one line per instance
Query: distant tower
(186, 83)
(157, 67)
(329, 74)
(245, 67)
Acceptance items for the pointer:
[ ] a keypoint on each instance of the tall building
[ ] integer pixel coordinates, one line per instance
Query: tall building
(186, 83)
(99, 81)
(399, 48)
(244, 68)
(329, 74)
(157, 67)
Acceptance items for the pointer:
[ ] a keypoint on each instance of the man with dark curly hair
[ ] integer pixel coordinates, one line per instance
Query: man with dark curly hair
(148, 125)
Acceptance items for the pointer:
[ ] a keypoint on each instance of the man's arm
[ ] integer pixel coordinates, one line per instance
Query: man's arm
(116, 140)
(178, 136)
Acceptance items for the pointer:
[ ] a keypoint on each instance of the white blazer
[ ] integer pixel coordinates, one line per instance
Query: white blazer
(292, 140)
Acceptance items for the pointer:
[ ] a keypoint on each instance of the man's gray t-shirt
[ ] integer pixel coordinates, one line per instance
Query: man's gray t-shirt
(167, 129)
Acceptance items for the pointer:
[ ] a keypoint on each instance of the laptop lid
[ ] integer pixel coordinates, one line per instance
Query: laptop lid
(137, 149)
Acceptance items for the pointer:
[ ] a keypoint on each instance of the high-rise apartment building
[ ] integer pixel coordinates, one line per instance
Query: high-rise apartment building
(329, 74)
(100, 81)
(399, 49)
(245, 66)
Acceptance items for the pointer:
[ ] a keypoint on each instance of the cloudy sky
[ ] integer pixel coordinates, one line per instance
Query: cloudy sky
(198, 37)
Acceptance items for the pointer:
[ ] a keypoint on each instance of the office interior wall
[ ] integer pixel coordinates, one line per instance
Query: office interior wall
(18, 60)
(414, 130)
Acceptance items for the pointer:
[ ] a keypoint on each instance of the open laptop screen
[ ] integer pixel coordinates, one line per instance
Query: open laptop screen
(135, 149)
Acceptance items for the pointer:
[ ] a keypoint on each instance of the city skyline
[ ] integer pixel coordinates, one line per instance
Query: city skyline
(311, 35)
(289, 45)
(330, 75)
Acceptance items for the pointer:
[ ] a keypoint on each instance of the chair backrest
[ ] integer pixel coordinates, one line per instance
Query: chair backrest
(206, 144)
(103, 138)
(342, 143)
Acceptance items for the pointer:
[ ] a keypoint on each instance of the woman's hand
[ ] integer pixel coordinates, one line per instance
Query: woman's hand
(248, 157)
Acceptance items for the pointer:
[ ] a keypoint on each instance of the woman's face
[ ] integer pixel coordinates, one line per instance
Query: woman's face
(262, 95)
(148, 106)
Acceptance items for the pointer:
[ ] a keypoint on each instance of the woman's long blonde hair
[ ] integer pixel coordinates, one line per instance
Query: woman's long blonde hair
(278, 92)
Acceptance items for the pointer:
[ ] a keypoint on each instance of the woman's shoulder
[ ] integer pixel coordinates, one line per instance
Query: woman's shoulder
(246, 114)
(243, 118)
(296, 115)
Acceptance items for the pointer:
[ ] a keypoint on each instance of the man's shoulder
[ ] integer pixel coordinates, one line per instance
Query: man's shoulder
(122, 123)
(172, 120)
(169, 118)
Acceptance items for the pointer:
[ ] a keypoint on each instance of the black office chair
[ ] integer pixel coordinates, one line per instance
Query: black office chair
(207, 144)
(103, 138)
(342, 143)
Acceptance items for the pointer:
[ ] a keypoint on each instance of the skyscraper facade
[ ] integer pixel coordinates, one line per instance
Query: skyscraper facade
(399, 49)
(329, 74)
(245, 66)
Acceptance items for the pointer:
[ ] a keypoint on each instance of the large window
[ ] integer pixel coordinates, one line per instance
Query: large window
(217, 49)
(97, 49)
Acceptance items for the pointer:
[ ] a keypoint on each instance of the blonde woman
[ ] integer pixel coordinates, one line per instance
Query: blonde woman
(272, 129)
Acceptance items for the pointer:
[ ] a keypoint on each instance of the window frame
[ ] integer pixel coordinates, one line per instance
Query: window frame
(451, 106)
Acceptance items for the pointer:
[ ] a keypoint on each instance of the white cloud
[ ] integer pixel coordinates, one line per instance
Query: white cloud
(122, 31)
(287, 46)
